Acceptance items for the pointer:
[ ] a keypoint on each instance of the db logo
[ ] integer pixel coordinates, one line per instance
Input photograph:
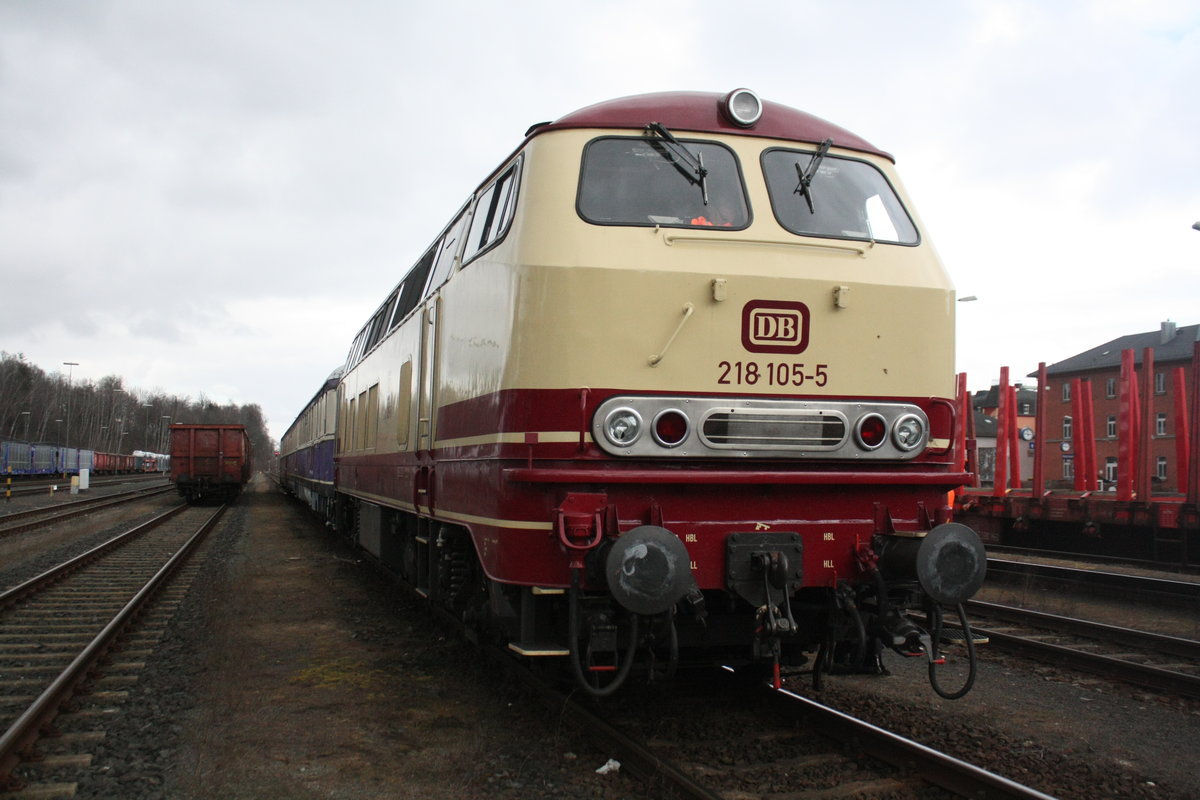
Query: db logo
(774, 326)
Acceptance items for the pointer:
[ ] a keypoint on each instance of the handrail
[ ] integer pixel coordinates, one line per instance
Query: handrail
(688, 310)
(671, 238)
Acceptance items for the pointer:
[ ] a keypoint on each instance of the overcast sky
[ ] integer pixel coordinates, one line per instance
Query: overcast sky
(211, 197)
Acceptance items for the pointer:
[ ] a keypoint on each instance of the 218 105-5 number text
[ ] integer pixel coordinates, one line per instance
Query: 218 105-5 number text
(771, 373)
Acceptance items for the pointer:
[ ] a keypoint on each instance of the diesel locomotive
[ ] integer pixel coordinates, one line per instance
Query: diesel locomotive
(674, 384)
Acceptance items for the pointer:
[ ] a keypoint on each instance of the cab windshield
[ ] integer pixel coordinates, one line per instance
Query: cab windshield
(840, 198)
(657, 181)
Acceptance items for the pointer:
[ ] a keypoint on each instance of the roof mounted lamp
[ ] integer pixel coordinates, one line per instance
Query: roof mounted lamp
(743, 107)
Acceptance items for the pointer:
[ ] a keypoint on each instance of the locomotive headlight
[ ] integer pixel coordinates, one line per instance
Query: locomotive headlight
(623, 426)
(743, 107)
(908, 432)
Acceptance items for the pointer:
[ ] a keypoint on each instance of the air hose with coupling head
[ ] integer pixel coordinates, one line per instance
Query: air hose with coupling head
(647, 572)
(846, 600)
(950, 564)
(936, 617)
(626, 663)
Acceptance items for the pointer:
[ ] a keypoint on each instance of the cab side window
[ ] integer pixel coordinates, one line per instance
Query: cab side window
(494, 210)
(447, 250)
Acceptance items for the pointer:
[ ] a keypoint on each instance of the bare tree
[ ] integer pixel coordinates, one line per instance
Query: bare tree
(106, 415)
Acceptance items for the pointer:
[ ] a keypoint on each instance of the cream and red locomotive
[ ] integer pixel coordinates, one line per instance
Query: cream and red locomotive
(675, 382)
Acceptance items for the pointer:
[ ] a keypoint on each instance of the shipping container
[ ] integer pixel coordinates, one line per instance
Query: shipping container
(45, 459)
(16, 458)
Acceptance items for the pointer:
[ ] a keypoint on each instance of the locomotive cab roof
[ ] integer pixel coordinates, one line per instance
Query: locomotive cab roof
(710, 112)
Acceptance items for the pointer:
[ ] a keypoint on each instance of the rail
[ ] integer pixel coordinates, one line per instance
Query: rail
(24, 732)
(911, 757)
(1163, 588)
(1162, 677)
(936, 767)
(42, 516)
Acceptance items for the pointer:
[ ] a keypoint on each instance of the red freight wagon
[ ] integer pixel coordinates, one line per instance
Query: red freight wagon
(112, 463)
(209, 460)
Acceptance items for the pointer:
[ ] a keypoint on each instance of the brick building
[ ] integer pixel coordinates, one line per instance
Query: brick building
(1171, 348)
(987, 407)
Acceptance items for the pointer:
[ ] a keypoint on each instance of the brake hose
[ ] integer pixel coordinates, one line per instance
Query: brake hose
(860, 646)
(937, 632)
(573, 633)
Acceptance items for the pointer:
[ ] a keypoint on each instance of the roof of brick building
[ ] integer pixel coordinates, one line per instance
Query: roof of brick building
(1169, 343)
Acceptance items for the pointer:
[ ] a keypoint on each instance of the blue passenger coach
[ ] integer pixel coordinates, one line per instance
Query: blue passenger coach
(306, 451)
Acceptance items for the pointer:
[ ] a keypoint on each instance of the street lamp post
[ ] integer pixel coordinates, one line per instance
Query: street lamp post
(147, 433)
(113, 429)
(70, 365)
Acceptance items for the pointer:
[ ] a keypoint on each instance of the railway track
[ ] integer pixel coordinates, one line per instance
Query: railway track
(20, 521)
(1144, 588)
(1151, 660)
(57, 628)
(1116, 562)
(778, 744)
(21, 488)
(782, 744)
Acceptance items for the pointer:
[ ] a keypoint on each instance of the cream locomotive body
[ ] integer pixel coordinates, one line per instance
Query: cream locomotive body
(678, 377)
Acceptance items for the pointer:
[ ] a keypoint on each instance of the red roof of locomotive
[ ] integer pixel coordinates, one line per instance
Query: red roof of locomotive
(702, 111)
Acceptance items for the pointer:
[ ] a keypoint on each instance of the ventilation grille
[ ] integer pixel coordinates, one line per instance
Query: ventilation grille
(756, 429)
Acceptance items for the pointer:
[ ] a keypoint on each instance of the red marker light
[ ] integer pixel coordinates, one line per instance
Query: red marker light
(871, 431)
(671, 428)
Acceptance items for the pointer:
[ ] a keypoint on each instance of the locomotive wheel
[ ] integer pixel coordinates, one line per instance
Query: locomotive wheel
(461, 587)
(408, 560)
(345, 517)
(823, 662)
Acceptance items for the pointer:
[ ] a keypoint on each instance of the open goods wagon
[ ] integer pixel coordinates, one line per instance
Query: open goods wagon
(209, 460)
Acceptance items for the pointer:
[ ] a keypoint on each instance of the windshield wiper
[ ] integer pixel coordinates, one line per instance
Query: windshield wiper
(695, 171)
(807, 173)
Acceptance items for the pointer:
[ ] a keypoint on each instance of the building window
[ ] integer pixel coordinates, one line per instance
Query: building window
(1160, 424)
(1162, 468)
(1110, 469)
(1068, 468)
(1066, 428)
(1160, 383)
(1067, 392)
(1110, 387)
(1110, 427)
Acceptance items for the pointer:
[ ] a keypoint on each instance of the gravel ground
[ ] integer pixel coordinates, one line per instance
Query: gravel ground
(293, 670)
(26, 555)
